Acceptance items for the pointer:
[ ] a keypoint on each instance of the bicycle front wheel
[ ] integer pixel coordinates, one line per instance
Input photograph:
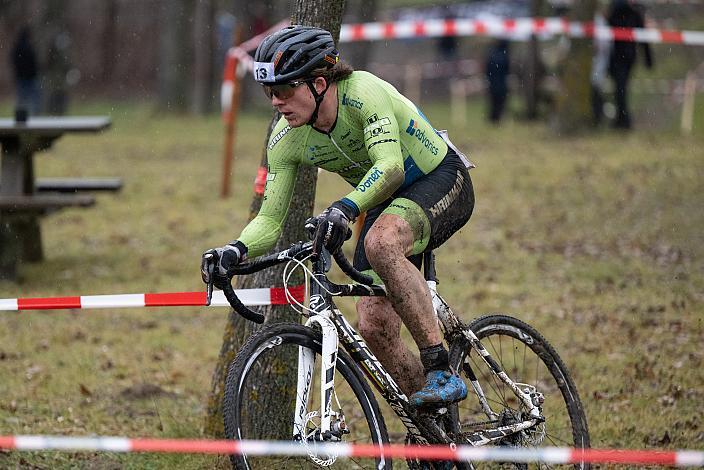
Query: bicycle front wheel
(530, 361)
(260, 402)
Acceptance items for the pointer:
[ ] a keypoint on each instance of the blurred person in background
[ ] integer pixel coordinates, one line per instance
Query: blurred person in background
(448, 45)
(600, 67)
(625, 14)
(26, 72)
(497, 69)
(57, 75)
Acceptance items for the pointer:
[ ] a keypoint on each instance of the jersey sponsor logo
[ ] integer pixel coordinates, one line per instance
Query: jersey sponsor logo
(319, 151)
(449, 198)
(351, 102)
(376, 126)
(355, 145)
(323, 162)
(277, 57)
(419, 134)
(353, 166)
(383, 141)
(278, 137)
(374, 176)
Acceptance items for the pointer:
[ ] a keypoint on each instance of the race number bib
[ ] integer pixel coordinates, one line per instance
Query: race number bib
(463, 157)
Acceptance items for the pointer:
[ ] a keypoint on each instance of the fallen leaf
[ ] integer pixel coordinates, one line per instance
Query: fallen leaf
(84, 390)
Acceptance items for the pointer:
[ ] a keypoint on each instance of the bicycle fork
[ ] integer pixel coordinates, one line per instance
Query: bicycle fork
(306, 369)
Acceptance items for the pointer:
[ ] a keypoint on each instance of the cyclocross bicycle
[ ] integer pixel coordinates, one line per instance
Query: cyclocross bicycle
(523, 394)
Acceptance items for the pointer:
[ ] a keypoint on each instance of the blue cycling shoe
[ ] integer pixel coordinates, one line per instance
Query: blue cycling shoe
(441, 388)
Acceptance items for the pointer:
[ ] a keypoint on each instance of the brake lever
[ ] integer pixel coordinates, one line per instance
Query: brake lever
(310, 225)
(208, 293)
(210, 266)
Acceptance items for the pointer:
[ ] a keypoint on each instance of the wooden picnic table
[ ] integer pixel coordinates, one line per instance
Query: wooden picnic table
(20, 202)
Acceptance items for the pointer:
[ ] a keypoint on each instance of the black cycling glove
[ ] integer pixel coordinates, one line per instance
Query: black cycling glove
(223, 258)
(333, 227)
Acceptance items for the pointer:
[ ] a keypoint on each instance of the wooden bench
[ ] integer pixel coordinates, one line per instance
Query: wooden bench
(43, 202)
(74, 185)
(20, 237)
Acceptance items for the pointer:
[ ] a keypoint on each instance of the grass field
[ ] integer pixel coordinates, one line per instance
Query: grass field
(595, 240)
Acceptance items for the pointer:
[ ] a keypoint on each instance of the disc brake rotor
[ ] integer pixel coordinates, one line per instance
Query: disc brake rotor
(312, 437)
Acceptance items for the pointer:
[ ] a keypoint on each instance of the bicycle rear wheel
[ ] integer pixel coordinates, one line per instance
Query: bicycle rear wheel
(259, 401)
(529, 360)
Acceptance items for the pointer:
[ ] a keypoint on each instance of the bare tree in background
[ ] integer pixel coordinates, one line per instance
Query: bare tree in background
(534, 69)
(108, 39)
(573, 103)
(358, 53)
(203, 50)
(324, 14)
(175, 55)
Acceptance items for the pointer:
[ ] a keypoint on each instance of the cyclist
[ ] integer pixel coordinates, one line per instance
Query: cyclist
(409, 179)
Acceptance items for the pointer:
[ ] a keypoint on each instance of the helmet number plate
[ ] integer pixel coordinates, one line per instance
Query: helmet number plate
(264, 71)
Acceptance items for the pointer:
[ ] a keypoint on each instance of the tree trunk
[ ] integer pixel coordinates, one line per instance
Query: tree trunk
(203, 48)
(534, 69)
(108, 39)
(574, 112)
(175, 55)
(323, 14)
(358, 53)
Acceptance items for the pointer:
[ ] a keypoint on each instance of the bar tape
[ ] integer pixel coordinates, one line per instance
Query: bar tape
(249, 297)
(552, 455)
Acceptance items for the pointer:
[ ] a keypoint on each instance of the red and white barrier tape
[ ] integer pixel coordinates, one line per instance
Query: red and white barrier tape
(249, 297)
(552, 455)
(512, 28)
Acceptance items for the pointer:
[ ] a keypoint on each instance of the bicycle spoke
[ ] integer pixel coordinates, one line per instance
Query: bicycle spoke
(530, 362)
(487, 377)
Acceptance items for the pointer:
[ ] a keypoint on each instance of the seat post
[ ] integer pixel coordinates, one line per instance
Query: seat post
(429, 267)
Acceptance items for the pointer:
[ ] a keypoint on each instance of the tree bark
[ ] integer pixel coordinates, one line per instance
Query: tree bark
(323, 14)
(574, 112)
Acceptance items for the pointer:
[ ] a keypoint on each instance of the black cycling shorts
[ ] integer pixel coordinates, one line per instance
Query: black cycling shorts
(435, 206)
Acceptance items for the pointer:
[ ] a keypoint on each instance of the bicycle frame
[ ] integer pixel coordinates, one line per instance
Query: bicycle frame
(336, 329)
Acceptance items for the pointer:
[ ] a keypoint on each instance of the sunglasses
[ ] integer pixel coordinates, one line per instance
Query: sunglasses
(283, 92)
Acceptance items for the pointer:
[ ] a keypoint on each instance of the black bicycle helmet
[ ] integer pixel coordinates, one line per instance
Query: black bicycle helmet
(293, 53)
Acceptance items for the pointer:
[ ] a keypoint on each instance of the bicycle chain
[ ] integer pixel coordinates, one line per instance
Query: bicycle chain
(479, 423)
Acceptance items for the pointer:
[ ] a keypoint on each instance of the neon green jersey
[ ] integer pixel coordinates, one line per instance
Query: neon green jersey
(379, 143)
